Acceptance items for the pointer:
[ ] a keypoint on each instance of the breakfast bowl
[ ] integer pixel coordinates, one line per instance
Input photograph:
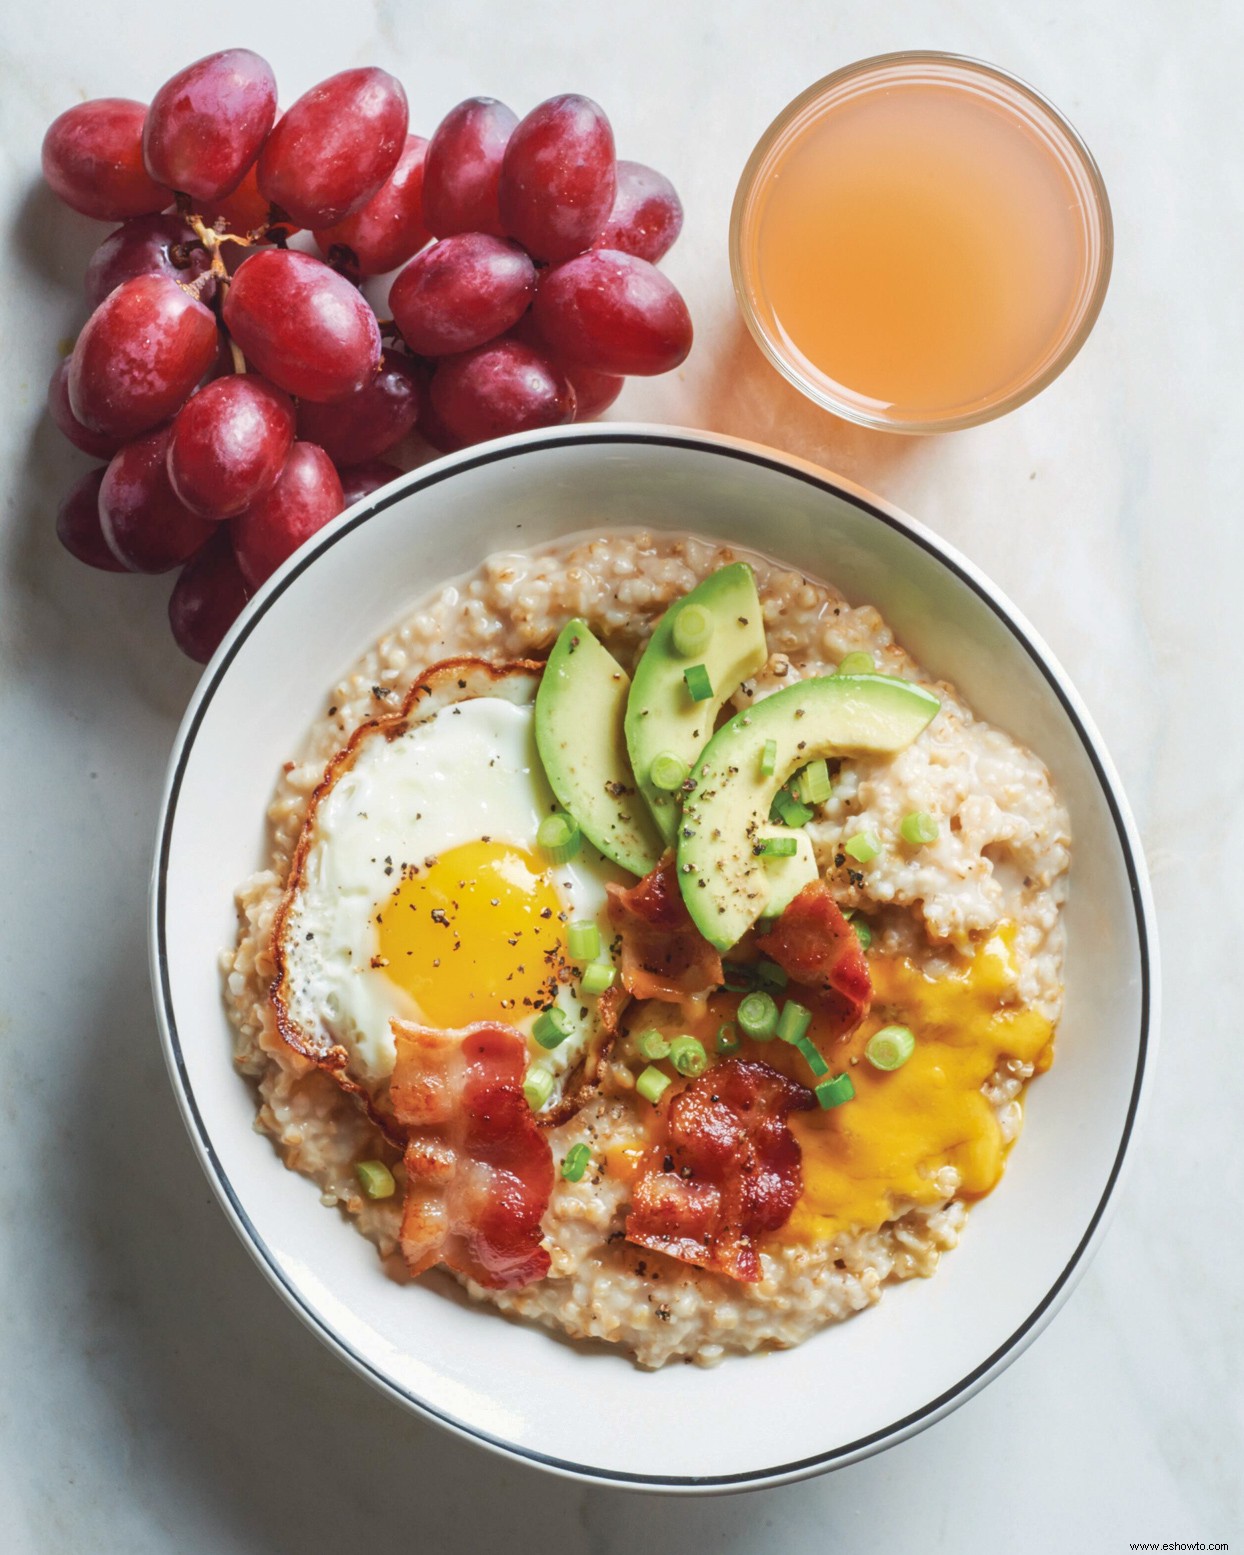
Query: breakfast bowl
(584, 1409)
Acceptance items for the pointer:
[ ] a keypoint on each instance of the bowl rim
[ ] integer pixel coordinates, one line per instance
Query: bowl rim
(631, 435)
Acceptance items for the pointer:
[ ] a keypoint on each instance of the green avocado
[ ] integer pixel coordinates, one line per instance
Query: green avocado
(662, 718)
(786, 877)
(579, 711)
(725, 878)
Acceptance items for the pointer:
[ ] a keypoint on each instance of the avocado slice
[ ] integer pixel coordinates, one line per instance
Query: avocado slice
(725, 882)
(661, 716)
(786, 877)
(579, 712)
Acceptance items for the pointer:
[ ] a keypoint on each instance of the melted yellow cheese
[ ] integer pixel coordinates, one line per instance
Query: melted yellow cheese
(875, 1156)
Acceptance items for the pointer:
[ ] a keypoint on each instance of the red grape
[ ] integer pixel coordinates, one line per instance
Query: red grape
(306, 495)
(464, 168)
(613, 313)
(496, 389)
(141, 354)
(245, 210)
(62, 414)
(389, 229)
(77, 524)
(360, 480)
(228, 444)
(144, 524)
(335, 147)
(372, 419)
(302, 325)
(207, 598)
(206, 124)
(461, 292)
(558, 177)
(148, 245)
(593, 391)
(93, 159)
(646, 216)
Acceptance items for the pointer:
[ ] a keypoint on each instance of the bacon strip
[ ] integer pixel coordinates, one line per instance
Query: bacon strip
(664, 955)
(820, 950)
(728, 1171)
(479, 1169)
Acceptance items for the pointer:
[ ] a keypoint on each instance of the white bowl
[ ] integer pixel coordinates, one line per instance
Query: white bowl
(586, 1411)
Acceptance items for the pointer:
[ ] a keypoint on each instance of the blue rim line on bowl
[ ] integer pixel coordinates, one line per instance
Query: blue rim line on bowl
(624, 434)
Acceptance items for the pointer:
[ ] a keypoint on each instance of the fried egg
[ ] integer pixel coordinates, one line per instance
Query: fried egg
(418, 891)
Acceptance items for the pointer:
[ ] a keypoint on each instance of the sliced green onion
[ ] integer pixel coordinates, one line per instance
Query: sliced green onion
(918, 828)
(768, 759)
(794, 1021)
(698, 683)
(862, 847)
(727, 1038)
(891, 1047)
(693, 630)
(537, 1086)
(575, 1163)
(668, 772)
(813, 783)
(688, 1056)
(652, 1045)
(758, 1016)
(551, 1028)
(832, 1093)
(583, 941)
(652, 1085)
(857, 664)
(558, 838)
(771, 974)
(777, 847)
(597, 976)
(812, 1054)
(862, 932)
(787, 809)
(375, 1179)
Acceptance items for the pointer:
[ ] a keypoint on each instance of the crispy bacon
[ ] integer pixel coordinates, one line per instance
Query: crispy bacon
(820, 950)
(664, 955)
(479, 1170)
(728, 1171)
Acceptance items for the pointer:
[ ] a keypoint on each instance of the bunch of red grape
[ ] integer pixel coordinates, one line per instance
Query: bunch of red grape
(244, 391)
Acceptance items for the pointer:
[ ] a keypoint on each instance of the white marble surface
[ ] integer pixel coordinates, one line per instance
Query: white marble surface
(156, 1395)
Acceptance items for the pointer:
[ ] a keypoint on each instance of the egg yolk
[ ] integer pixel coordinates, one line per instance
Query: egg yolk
(474, 935)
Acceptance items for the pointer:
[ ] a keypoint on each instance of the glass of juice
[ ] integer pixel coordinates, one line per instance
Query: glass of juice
(920, 242)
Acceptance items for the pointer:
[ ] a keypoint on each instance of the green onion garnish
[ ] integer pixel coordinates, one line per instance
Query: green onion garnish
(787, 809)
(668, 772)
(857, 664)
(652, 1085)
(693, 630)
(794, 1021)
(551, 1028)
(768, 759)
(698, 683)
(918, 828)
(583, 941)
(862, 847)
(891, 1047)
(537, 1086)
(575, 1163)
(777, 847)
(757, 1015)
(862, 932)
(652, 1045)
(771, 974)
(597, 976)
(812, 1054)
(813, 785)
(832, 1093)
(727, 1038)
(375, 1179)
(688, 1056)
(558, 838)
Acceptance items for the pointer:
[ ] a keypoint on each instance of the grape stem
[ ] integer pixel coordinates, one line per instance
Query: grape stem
(212, 242)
